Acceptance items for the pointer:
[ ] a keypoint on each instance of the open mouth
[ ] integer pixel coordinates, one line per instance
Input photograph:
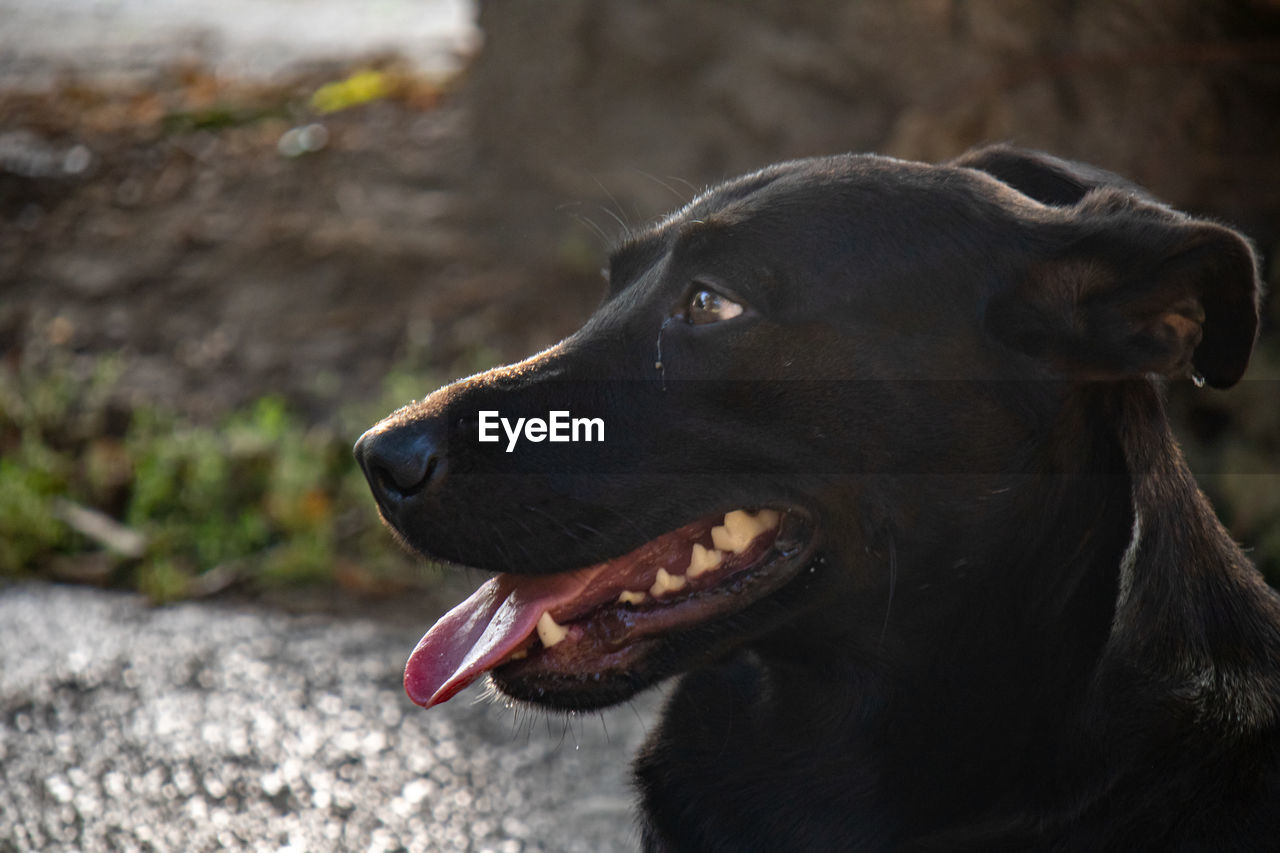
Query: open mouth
(590, 623)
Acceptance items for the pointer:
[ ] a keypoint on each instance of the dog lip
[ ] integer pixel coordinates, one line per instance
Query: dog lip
(614, 638)
(792, 534)
(496, 624)
(755, 557)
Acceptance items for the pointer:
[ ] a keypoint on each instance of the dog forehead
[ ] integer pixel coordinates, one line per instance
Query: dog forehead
(790, 185)
(858, 217)
(853, 193)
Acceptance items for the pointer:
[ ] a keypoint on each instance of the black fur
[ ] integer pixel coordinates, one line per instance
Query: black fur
(1019, 625)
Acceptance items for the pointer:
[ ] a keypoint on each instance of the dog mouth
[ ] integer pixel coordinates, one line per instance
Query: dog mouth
(596, 624)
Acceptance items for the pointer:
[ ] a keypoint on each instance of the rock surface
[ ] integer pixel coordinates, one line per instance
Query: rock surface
(639, 102)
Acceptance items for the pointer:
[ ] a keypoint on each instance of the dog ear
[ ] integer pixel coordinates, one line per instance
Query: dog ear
(1130, 288)
(1045, 178)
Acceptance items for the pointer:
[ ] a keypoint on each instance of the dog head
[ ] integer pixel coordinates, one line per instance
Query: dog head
(788, 375)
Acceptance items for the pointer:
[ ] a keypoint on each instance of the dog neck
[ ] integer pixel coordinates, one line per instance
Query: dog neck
(1052, 645)
(1190, 608)
(1027, 666)
(957, 669)
(1166, 633)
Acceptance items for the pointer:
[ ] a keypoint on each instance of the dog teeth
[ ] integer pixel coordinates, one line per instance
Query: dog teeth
(703, 560)
(740, 527)
(667, 582)
(549, 632)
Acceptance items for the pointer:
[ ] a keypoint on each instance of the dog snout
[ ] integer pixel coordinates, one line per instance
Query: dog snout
(402, 461)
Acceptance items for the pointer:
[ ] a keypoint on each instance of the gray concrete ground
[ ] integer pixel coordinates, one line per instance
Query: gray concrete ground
(203, 727)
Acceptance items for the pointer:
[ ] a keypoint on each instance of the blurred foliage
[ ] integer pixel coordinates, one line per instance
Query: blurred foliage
(359, 88)
(190, 98)
(259, 498)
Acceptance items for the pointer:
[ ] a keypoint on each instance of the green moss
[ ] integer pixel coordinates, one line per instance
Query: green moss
(28, 529)
(162, 580)
(302, 559)
(259, 497)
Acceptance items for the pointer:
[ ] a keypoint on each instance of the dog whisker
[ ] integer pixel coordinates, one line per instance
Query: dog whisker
(605, 240)
(693, 191)
(500, 545)
(564, 528)
(620, 216)
(624, 230)
(681, 197)
(893, 583)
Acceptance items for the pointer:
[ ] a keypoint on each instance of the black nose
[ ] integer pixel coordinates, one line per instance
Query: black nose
(400, 461)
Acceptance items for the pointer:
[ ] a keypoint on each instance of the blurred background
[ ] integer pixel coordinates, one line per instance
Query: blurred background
(234, 234)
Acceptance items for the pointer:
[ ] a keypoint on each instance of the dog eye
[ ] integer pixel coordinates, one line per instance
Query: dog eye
(707, 306)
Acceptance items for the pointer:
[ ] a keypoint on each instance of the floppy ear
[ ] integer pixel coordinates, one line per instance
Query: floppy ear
(1129, 288)
(1045, 178)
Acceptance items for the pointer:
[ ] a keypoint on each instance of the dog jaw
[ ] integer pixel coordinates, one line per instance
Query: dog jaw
(588, 622)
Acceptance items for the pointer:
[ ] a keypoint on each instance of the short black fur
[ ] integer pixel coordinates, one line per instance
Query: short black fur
(1019, 625)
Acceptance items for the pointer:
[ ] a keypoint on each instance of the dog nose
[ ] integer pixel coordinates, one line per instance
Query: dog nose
(401, 461)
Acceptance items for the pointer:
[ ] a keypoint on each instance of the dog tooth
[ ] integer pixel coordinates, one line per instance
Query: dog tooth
(739, 528)
(629, 597)
(549, 632)
(703, 560)
(520, 655)
(768, 518)
(667, 582)
(742, 527)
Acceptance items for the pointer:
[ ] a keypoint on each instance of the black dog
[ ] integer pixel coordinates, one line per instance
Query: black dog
(886, 474)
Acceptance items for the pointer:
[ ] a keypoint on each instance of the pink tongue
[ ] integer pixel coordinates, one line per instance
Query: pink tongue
(474, 636)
